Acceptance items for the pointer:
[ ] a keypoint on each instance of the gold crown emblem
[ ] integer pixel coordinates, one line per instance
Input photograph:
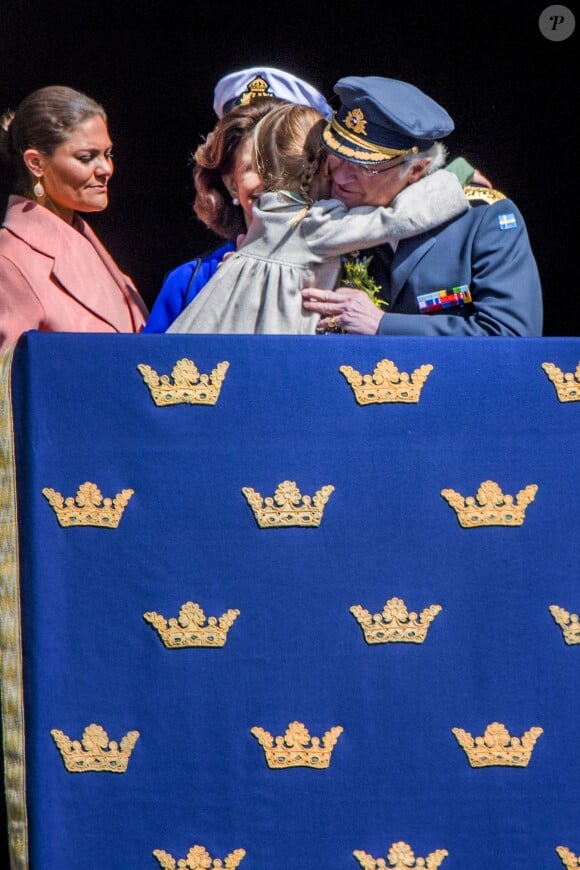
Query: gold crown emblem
(568, 622)
(496, 747)
(198, 858)
(355, 121)
(567, 385)
(569, 859)
(97, 752)
(88, 508)
(296, 748)
(258, 87)
(492, 508)
(189, 629)
(188, 387)
(401, 857)
(288, 507)
(395, 624)
(387, 384)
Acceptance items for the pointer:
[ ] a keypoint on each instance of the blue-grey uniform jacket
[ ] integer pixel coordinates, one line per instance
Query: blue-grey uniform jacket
(484, 256)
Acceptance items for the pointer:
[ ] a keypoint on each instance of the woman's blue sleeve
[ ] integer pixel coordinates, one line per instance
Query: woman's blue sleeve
(181, 286)
(171, 299)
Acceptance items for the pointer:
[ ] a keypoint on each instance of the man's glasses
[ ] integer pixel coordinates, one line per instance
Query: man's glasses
(369, 172)
(359, 169)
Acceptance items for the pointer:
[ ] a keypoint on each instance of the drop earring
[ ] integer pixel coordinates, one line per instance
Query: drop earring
(38, 190)
(235, 200)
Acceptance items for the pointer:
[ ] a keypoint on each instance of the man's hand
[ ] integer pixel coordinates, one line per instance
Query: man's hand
(344, 309)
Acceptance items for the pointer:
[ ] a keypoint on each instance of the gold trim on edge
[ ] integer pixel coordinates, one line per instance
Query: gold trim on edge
(372, 153)
(11, 682)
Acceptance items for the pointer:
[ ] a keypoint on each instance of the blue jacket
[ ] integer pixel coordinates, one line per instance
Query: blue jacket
(181, 286)
(485, 251)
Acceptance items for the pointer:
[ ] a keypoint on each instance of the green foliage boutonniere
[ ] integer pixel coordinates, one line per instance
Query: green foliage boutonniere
(355, 273)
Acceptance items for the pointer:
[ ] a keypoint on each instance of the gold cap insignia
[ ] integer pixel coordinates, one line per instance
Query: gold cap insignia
(395, 624)
(492, 507)
(496, 747)
(189, 387)
(96, 753)
(88, 508)
(568, 622)
(288, 507)
(355, 121)
(190, 630)
(386, 384)
(198, 858)
(401, 857)
(295, 748)
(567, 385)
(258, 87)
(569, 859)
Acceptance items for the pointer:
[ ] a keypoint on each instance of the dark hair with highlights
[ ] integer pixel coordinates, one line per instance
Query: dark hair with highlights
(43, 120)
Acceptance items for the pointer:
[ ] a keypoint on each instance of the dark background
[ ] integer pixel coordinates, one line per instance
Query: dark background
(154, 66)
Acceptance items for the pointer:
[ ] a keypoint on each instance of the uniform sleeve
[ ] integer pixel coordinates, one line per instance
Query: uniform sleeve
(20, 308)
(422, 206)
(505, 285)
(462, 169)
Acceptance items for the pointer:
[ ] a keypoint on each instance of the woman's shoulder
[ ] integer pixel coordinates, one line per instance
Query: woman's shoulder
(181, 275)
(181, 285)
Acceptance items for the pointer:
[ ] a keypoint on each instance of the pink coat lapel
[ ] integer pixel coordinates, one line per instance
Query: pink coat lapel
(51, 236)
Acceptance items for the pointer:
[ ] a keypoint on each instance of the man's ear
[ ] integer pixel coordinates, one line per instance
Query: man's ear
(417, 169)
(35, 161)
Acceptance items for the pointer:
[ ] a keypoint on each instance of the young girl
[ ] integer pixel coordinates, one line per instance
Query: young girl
(297, 237)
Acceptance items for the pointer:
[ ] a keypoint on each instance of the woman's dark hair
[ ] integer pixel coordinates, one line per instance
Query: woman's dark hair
(215, 158)
(43, 120)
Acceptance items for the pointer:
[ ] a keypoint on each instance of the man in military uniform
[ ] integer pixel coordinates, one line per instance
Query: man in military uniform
(475, 275)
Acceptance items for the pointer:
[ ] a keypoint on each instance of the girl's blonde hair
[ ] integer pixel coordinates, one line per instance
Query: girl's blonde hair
(288, 148)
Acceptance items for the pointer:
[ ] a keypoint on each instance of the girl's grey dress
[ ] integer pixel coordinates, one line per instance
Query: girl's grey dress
(290, 246)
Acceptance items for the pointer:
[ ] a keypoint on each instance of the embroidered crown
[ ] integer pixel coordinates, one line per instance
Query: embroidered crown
(96, 752)
(189, 387)
(258, 87)
(492, 507)
(567, 385)
(296, 748)
(395, 624)
(401, 857)
(569, 859)
(88, 508)
(496, 747)
(198, 858)
(386, 384)
(288, 507)
(190, 628)
(568, 622)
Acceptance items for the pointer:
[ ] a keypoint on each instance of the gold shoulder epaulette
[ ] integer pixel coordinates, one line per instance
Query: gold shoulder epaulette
(476, 193)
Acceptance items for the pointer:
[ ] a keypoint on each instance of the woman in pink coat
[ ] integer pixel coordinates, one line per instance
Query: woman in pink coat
(55, 275)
